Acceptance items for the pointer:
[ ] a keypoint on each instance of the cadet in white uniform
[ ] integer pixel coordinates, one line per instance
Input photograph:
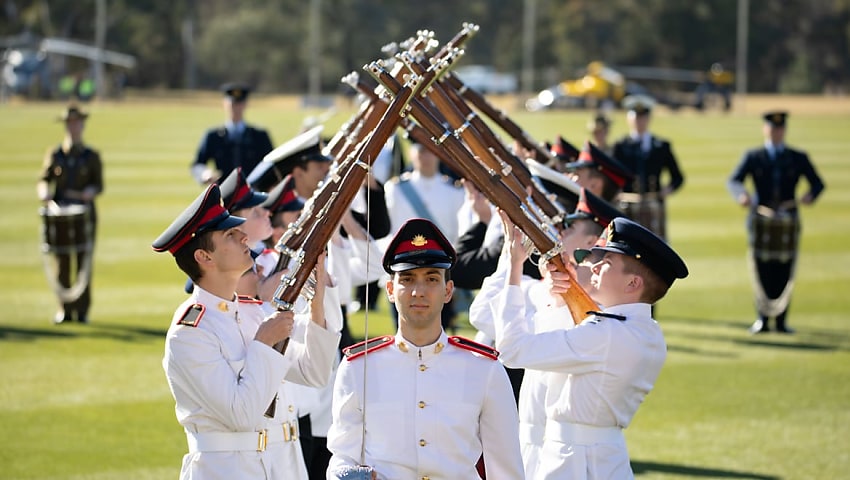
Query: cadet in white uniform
(420, 404)
(580, 230)
(599, 371)
(424, 193)
(219, 361)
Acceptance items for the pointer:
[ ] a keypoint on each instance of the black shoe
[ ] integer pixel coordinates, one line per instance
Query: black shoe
(83, 318)
(759, 326)
(61, 317)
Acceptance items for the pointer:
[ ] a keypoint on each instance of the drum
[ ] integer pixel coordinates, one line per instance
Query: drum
(774, 236)
(66, 229)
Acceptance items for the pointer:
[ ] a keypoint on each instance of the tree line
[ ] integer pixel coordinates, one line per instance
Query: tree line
(794, 46)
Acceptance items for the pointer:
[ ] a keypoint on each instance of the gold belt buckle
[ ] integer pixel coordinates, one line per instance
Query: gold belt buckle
(286, 431)
(262, 440)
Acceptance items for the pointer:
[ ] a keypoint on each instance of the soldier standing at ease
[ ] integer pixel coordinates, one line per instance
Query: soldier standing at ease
(773, 222)
(72, 175)
(234, 144)
(649, 157)
(421, 404)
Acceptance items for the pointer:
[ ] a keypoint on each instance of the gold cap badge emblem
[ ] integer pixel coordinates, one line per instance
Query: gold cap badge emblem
(419, 241)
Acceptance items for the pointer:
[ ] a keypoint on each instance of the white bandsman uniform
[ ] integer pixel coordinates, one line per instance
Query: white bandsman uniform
(223, 381)
(598, 373)
(429, 411)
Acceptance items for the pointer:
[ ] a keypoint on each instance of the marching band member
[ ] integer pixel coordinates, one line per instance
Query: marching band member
(72, 174)
(773, 222)
(649, 157)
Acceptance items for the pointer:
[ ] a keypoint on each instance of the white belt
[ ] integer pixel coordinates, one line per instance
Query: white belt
(241, 441)
(578, 434)
(531, 434)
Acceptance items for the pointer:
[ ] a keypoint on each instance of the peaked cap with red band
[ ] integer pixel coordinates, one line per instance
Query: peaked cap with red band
(593, 157)
(564, 150)
(418, 243)
(282, 198)
(592, 207)
(206, 213)
(237, 194)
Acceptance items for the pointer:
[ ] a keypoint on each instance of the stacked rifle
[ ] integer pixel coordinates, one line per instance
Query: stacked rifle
(416, 91)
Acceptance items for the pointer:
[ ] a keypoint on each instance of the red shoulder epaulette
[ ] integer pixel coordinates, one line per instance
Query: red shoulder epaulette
(247, 299)
(192, 316)
(367, 346)
(475, 347)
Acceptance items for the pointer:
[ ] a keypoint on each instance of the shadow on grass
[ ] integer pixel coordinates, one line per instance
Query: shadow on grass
(673, 347)
(841, 335)
(696, 472)
(126, 333)
(806, 339)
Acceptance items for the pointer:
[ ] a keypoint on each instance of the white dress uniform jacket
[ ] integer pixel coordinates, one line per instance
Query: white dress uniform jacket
(442, 199)
(599, 372)
(532, 392)
(223, 381)
(429, 413)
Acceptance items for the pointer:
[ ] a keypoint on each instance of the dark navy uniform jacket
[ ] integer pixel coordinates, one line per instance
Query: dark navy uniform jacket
(776, 180)
(227, 154)
(648, 167)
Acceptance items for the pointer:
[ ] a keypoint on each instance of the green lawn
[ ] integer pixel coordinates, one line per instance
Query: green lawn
(91, 402)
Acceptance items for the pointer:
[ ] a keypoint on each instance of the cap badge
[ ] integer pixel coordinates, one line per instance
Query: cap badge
(419, 241)
(777, 117)
(611, 232)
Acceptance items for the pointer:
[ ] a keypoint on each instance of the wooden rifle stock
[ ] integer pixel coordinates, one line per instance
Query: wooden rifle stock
(331, 212)
(461, 118)
(501, 119)
(492, 186)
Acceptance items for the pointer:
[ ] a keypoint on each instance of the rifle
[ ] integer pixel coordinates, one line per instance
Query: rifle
(327, 217)
(490, 183)
(501, 119)
(487, 148)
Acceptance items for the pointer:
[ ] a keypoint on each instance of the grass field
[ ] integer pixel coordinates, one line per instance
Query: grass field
(91, 402)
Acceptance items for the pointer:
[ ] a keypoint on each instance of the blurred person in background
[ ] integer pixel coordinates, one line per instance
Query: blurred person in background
(773, 222)
(71, 178)
(234, 144)
(651, 158)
